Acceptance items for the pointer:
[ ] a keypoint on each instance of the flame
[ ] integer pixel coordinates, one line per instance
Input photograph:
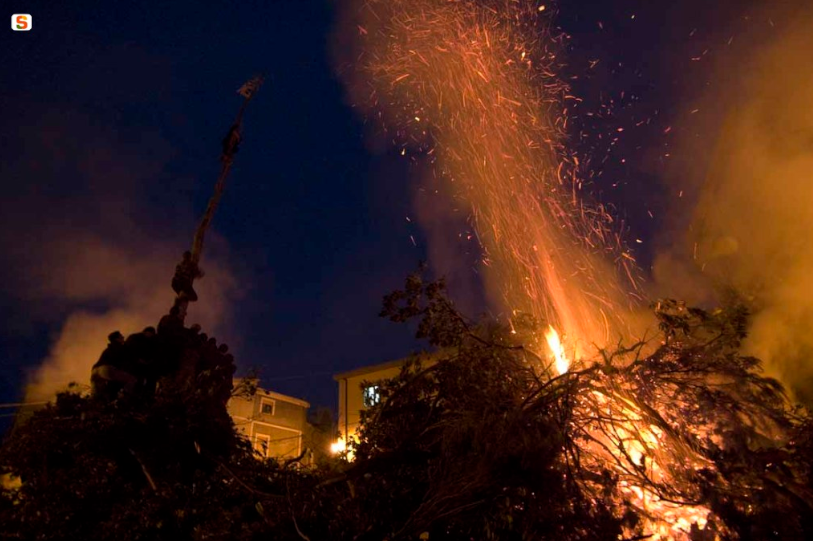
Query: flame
(620, 438)
(558, 350)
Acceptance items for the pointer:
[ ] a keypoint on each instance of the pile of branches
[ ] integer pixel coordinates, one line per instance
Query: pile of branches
(692, 431)
(476, 440)
(169, 465)
(481, 440)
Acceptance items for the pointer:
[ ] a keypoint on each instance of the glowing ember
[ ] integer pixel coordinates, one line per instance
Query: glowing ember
(621, 437)
(558, 350)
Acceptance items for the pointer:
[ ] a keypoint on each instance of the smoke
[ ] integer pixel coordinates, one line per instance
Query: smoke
(89, 247)
(129, 287)
(452, 245)
(750, 226)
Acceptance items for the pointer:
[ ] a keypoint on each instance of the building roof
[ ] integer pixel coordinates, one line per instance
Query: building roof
(283, 398)
(278, 396)
(425, 356)
(369, 369)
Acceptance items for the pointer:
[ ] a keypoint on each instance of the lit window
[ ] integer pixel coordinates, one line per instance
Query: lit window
(370, 396)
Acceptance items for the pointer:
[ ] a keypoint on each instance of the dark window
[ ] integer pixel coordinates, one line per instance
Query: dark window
(370, 396)
(267, 408)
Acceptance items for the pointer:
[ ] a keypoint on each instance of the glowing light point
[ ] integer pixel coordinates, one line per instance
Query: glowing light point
(339, 446)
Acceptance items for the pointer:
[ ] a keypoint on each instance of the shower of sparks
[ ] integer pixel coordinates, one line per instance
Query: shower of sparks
(473, 87)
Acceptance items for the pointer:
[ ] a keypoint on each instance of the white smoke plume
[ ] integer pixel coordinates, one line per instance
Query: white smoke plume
(88, 251)
(750, 226)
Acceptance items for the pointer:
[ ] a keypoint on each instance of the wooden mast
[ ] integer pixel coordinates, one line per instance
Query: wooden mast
(230, 144)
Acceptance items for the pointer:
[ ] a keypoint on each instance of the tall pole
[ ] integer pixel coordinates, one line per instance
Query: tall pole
(187, 270)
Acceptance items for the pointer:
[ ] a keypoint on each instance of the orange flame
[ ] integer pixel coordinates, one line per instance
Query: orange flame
(558, 350)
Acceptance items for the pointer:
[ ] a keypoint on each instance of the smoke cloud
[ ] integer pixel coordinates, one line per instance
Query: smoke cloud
(90, 248)
(750, 226)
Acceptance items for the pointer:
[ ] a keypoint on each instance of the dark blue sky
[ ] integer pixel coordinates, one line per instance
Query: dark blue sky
(314, 221)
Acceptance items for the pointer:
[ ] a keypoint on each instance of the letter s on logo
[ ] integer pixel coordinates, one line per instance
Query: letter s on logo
(21, 22)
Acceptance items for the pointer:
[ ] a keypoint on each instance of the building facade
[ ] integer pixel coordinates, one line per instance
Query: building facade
(354, 398)
(274, 423)
(358, 390)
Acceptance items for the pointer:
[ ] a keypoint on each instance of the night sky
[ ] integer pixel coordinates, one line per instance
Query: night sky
(125, 105)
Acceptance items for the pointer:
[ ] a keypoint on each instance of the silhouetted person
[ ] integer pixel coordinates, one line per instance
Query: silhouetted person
(186, 273)
(112, 373)
(143, 347)
(171, 325)
(171, 341)
(142, 344)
